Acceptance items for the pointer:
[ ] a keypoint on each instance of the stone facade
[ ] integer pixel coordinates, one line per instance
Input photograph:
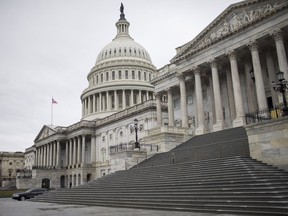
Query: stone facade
(10, 164)
(207, 87)
(268, 142)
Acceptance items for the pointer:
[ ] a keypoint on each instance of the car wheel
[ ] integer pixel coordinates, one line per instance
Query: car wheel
(23, 198)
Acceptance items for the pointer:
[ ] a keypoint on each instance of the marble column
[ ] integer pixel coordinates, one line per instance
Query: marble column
(89, 105)
(41, 156)
(170, 107)
(123, 99)
(147, 95)
(132, 98)
(67, 153)
(78, 150)
(219, 122)
(74, 150)
(201, 128)
(239, 120)
(183, 100)
(70, 152)
(250, 86)
(230, 94)
(38, 156)
(108, 99)
(100, 102)
(54, 154)
(272, 75)
(58, 154)
(45, 156)
(140, 97)
(281, 54)
(83, 150)
(94, 104)
(259, 82)
(116, 100)
(159, 109)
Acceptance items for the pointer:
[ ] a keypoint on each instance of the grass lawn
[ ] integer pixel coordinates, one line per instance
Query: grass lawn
(8, 193)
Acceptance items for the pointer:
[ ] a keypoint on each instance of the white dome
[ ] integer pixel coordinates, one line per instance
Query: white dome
(123, 47)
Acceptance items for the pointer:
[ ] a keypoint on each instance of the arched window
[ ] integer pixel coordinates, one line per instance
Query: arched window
(97, 80)
(133, 74)
(107, 76)
(145, 78)
(126, 74)
(102, 77)
(149, 76)
(139, 75)
(119, 74)
(113, 75)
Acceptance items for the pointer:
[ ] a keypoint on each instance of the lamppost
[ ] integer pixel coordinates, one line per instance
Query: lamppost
(136, 129)
(281, 86)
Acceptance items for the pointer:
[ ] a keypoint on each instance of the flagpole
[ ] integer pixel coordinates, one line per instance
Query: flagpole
(52, 111)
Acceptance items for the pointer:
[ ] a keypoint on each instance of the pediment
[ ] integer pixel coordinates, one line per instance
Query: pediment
(46, 131)
(232, 20)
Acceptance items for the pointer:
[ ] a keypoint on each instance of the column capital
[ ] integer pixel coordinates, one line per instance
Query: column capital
(180, 76)
(196, 70)
(277, 34)
(168, 89)
(213, 63)
(232, 54)
(157, 94)
(253, 45)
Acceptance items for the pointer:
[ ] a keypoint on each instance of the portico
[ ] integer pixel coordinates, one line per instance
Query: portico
(217, 66)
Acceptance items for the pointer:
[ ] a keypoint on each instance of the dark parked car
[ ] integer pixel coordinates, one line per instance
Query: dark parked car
(29, 193)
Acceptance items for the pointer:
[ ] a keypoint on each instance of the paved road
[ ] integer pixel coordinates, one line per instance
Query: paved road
(9, 207)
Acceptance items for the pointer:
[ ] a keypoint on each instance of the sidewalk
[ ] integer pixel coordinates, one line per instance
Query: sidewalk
(9, 207)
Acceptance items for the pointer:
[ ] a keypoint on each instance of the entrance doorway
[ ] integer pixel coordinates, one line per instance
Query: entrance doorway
(62, 181)
(88, 177)
(46, 183)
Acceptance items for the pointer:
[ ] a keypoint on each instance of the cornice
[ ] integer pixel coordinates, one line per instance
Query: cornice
(222, 28)
(163, 77)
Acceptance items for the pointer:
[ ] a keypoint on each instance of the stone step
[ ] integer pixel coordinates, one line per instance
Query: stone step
(221, 207)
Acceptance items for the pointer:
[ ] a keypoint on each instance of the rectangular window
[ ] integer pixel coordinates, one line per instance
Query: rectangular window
(177, 103)
(139, 75)
(189, 99)
(133, 74)
(126, 74)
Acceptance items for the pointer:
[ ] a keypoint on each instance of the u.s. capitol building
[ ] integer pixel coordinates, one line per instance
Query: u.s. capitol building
(215, 81)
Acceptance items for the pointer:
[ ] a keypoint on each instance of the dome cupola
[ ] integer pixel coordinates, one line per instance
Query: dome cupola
(120, 78)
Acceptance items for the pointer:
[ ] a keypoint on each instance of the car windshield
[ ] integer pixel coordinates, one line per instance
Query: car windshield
(28, 191)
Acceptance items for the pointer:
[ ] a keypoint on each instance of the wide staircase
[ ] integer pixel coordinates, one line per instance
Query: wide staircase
(232, 184)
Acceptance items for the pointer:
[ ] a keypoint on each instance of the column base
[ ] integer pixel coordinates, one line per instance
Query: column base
(220, 125)
(201, 129)
(239, 121)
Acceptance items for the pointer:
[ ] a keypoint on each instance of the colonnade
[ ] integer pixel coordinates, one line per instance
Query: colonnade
(50, 155)
(256, 97)
(114, 100)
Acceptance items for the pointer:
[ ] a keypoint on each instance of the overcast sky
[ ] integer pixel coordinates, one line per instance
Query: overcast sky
(47, 48)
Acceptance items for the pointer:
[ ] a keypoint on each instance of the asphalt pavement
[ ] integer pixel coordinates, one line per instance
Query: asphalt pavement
(9, 207)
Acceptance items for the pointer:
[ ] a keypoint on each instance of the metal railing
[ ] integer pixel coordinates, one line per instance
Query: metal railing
(278, 111)
(131, 146)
